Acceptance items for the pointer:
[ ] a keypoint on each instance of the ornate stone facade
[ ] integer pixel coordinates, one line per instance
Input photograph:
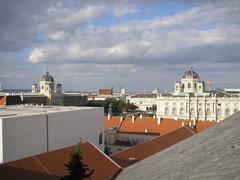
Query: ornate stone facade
(191, 101)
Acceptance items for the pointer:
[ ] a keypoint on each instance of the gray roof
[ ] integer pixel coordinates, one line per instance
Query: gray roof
(211, 154)
(190, 74)
(47, 77)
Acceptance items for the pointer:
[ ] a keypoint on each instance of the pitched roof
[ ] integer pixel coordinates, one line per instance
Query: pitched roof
(114, 121)
(52, 163)
(140, 125)
(211, 154)
(139, 152)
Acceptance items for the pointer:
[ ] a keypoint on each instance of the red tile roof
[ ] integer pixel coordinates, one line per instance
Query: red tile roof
(52, 163)
(166, 125)
(139, 152)
(140, 125)
(202, 125)
(113, 122)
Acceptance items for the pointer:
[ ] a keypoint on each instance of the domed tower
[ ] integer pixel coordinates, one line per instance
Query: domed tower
(59, 88)
(46, 84)
(190, 83)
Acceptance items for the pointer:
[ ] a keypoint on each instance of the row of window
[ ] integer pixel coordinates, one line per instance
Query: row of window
(189, 86)
(200, 112)
(200, 104)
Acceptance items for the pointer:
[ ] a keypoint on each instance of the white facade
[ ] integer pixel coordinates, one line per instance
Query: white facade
(195, 103)
(144, 102)
(30, 130)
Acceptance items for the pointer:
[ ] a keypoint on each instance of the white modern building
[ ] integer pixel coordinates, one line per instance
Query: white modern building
(191, 101)
(29, 130)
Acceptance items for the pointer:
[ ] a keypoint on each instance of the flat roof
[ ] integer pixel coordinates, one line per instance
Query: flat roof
(23, 110)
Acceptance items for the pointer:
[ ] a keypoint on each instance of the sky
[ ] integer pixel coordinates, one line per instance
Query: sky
(137, 44)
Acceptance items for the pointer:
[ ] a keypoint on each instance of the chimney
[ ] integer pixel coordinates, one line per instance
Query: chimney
(141, 116)
(133, 118)
(194, 122)
(146, 131)
(154, 116)
(159, 120)
(190, 124)
(182, 124)
(109, 116)
(121, 118)
(175, 118)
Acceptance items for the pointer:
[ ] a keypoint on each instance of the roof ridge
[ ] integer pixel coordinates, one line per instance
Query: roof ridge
(39, 162)
(188, 128)
(150, 141)
(104, 154)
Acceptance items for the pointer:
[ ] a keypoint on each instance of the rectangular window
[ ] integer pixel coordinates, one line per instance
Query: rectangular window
(100, 138)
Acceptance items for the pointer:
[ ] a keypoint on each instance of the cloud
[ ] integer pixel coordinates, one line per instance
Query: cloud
(181, 38)
(124, 10)
(73, 38)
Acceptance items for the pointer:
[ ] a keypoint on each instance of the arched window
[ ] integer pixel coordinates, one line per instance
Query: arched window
(189, 85)
(200, 112)
(219, 112)
(192, 111)
(227, 112)
(181, 111)
(166, 111)
(174, 111)
(208, 112)
(183, 87)
(235, 110)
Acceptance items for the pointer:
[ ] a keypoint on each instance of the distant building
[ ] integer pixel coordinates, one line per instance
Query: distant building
(105, 92)
(191, 101)
(29, 130)
(144, 101)
(46, 94)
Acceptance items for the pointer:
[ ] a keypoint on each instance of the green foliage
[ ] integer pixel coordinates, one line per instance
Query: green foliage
(118, 106)
(77, 170)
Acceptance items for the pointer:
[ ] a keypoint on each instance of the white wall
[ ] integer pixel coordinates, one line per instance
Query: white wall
(67, 128)
(23, 136)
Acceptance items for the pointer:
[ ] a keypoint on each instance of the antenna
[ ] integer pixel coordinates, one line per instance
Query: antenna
(1, 87)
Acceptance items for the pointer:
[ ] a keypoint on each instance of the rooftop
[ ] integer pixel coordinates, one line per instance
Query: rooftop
(139, 152)
(50, 165)
(211, 154)
(23, 110)
(151, 124)
(147, 95)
